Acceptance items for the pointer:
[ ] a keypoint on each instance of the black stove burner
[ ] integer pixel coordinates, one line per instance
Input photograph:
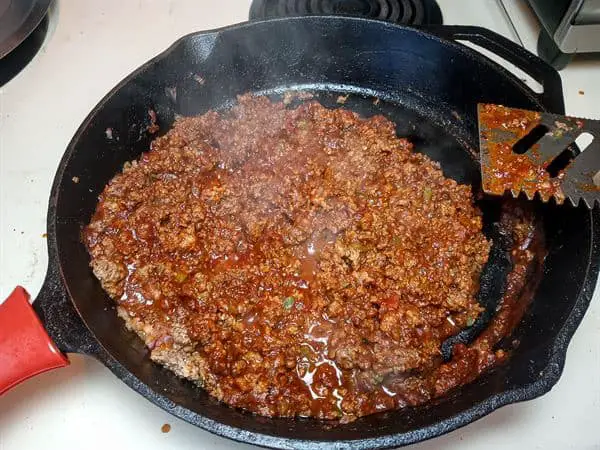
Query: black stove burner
(405, 12)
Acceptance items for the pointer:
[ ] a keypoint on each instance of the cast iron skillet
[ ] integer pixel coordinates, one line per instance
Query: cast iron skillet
(429, 85)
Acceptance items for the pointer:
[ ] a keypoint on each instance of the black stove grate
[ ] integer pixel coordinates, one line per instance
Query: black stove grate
(405, 12)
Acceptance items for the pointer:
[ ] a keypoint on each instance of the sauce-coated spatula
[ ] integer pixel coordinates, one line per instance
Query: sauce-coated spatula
(535, 152)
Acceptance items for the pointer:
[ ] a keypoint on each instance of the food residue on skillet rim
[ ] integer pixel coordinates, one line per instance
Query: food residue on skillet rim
(302, 261)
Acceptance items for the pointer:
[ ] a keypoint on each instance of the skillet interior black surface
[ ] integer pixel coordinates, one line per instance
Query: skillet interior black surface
(428, 87)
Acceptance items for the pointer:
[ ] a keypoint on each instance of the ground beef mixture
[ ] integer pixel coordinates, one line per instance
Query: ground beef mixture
(296, 261)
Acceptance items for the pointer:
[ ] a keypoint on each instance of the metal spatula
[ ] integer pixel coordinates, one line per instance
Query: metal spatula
(533, 152)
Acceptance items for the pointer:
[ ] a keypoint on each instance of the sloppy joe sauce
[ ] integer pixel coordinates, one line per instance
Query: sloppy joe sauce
(300, 262)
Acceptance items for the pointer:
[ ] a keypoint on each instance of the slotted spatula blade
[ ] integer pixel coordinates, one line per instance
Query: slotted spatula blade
(535, 152)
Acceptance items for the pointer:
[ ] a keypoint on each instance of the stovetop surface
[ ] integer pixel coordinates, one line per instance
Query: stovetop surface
(89, 47)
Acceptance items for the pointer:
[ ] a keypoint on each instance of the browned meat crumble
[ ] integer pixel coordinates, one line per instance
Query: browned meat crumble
(295, 262)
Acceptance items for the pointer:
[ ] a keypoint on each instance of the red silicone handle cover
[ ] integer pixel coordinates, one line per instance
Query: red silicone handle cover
(25, 347)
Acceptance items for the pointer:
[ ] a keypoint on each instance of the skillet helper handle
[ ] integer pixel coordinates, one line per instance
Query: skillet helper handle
(25, 347)
(538, 69)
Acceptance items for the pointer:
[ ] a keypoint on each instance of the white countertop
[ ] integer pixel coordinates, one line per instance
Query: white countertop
(91, 46)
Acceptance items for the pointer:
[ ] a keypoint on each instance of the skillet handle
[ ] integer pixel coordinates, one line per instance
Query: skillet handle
(538, 69)
(25, 347)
